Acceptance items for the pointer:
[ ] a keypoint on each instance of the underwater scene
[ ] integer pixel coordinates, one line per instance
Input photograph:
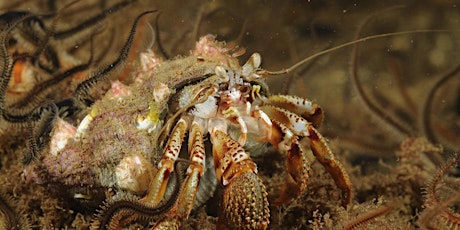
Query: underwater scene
(149, 114)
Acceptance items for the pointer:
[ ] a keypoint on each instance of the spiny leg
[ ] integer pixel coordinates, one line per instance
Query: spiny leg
(9, 64)
(128, 208)
(158, 40)
(39, 119)
(41, 56)
(34, 37)
(36, 94)
(82, 93)
(43, 44)
(11, 20)
(39, 132)
(92, 21)
(70, 105)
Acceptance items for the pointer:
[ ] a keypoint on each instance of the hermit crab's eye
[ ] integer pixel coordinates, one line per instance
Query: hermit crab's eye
(223, 86)
(245, 89)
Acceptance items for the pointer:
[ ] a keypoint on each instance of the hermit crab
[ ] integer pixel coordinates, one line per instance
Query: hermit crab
(196, 141)
(209, 93)
(130, 139)
(206, 94)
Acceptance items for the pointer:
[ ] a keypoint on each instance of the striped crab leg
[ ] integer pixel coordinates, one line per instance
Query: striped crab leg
(158, 185)
(184, 204)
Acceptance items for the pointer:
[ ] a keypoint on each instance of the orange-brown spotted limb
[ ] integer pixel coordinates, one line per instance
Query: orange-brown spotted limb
(294, 118)
(184, 204)
(325, 156)
(244, 203)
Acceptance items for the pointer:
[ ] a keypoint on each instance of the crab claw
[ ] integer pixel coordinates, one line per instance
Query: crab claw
(245, 203)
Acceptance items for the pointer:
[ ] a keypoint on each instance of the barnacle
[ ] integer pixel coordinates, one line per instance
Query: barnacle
(133, 173)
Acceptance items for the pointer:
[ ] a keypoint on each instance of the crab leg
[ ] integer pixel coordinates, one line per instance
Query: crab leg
(305, 108)
(166, 166)
(285, 136)
(314, 114)
(196, 168)
(326, 158)
(245, 204)
(185, 201)
(297, 161)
